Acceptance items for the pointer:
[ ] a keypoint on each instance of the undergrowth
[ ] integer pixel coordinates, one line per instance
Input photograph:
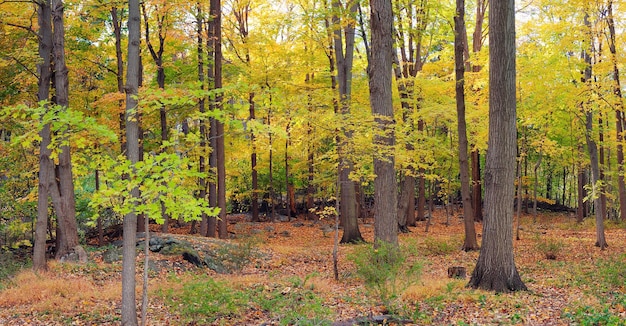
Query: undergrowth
(203, 301)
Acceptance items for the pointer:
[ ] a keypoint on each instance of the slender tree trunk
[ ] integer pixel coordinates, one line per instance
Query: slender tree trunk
(592, 146)
(344, 59)
(310, 197)
(619, 114)
(204, 223)
(470, 242)
(43, 68)
(216, 14)
(129, 308)
(380, 70)
(212, 222)
(495, 269)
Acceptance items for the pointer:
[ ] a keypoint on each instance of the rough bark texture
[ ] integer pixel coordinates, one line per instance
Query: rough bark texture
(204, 223)
(495, 269)
(129, 309)
(344, 59)
(385, 189)
(43, 69)
(470, 242)
(619, 113)
(216, 14)
(592, 147)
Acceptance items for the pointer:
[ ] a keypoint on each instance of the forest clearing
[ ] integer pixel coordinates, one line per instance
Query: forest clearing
(291, 281)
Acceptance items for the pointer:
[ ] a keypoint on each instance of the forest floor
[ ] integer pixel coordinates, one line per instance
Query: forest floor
(287, 278)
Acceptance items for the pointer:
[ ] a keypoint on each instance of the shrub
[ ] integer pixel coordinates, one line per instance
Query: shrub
(385, 270)
(441, 247)
(550, 248)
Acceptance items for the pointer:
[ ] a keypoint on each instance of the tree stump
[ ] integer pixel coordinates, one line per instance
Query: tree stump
(457, 272)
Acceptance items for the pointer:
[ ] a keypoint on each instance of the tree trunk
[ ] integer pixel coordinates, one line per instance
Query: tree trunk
(129, 308)
(592, 147)
(619, 114)
(470, 242)
(202, 182)
(43, 68)
(495, 269)
(66, 206)
(344, 59)
(380, 69)
(216, 14)
(212, 222)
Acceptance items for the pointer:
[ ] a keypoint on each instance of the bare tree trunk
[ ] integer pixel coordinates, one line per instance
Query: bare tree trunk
(216, 14)
(202, 182)
(470, 242)
(344, 59)
(619, 114)
(129, 308)
(495, 269)
(66, 204)
(212, 222)
(43, 68)
(380, 70)
(591, 144)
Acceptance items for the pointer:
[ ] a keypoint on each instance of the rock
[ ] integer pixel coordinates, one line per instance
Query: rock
(285, 234)
(193, 258)
(269, 229)
(298, 224)
(283, 218)
(112, 254)
(156, 244)
(117, 243)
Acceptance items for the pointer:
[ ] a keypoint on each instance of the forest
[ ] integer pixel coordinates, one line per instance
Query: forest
(302, 162)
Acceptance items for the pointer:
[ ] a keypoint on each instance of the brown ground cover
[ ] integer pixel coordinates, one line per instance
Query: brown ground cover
(294, 267)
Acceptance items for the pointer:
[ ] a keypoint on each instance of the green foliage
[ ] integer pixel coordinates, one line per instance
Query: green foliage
(11, 262)
(209, 301)
(231, 257)
(550, 248)
(606, 281)
(166, 178)
(385, 270)
(441, 246)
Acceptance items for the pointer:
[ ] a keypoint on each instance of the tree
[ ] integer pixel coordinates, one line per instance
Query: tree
(45, 48)
(129, 309)
(379, 71)
(344, 60)
(495, 269)
(216, 15)
(460, 38)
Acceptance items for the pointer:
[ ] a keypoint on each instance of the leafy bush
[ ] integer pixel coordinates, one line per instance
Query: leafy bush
(210, 301)
(10, 264)
(232, 258)
(550, 248)
(385, 270)
(441, 247)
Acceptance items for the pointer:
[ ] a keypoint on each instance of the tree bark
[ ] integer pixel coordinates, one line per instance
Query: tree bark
(344, 59)
(619, 114)
(216, 14)
(592, 147)
(43, 69)
(470, 242)
(202, 182)
(129, 309)
(495, 269)
(380, 70)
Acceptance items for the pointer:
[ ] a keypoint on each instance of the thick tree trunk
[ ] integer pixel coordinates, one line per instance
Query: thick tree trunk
(43, 68)
(495, 269)
(129, 308)
(385, 188)
(65, 204)
(470, 242)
